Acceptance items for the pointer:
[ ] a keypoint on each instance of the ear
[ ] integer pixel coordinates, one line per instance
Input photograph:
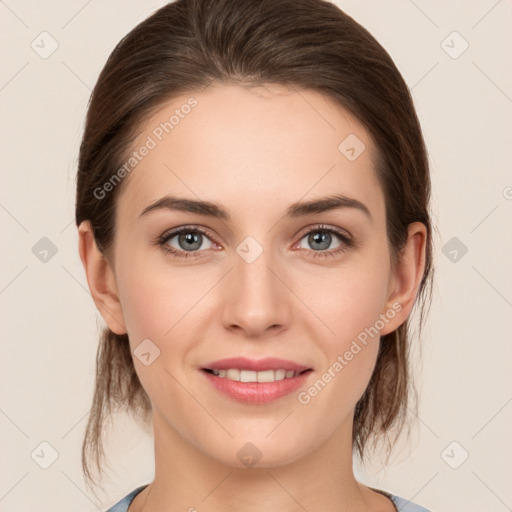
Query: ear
(406, 278)
(101, 279)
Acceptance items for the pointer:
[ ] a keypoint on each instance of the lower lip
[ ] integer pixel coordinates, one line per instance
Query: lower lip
(256, 392)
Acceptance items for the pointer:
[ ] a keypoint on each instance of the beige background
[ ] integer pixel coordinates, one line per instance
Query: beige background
(49, 322)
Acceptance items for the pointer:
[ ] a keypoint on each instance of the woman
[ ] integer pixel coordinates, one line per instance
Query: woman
(253, 215)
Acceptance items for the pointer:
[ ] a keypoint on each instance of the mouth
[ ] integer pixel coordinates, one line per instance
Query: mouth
(256, 381)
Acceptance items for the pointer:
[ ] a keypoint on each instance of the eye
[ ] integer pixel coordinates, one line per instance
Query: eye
(185, 240)
(321, 238)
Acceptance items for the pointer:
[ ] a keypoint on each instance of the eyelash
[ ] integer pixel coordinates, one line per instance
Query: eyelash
(346, 241)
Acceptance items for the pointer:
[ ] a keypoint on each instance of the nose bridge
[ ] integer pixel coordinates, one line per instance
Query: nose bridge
(256, 299)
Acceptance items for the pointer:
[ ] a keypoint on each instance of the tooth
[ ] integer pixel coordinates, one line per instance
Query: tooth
(254, 376)
(280, 374)
(233, 374)
(266, 376)
(248, 376)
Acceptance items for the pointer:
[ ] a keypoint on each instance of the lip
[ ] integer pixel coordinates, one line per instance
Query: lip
(256, 392)
(243, 363)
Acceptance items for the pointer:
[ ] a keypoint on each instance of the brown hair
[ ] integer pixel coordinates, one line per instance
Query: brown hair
(310, 44)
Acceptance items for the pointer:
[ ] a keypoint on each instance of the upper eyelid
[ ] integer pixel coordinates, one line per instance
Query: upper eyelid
(323, 227)
(171, 233)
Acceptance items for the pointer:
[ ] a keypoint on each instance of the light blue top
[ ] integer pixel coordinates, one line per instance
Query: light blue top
(401, 504)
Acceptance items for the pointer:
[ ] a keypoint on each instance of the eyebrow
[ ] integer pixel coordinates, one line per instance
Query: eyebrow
(295, 210)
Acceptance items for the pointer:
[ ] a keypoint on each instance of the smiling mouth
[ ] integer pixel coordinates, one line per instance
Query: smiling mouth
(236, 374)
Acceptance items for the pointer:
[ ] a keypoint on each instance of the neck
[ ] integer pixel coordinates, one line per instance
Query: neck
(186, 479)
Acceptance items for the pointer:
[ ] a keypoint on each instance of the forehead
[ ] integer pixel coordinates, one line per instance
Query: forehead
(251, 147)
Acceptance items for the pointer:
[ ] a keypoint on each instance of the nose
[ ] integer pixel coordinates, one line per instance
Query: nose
(256, 297)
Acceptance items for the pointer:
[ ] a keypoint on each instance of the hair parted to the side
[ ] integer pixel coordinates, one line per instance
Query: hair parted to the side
(188, 45)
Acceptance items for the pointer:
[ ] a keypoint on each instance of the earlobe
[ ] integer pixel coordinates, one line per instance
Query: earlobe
(407, 277)
(101, 279)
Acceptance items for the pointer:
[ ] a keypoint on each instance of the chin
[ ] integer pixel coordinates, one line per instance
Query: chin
(257, 453)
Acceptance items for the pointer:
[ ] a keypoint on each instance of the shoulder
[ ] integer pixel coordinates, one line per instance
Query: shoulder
(404, 505)
(401, 504)
(122, 506)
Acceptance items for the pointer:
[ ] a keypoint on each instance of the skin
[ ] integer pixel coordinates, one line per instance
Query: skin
(255, 151)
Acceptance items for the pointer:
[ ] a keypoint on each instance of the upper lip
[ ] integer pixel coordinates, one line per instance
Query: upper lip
(268, 363)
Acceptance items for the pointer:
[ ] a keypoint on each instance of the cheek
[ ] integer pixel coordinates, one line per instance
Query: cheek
(353, 299)
(146, 299)
(352, 308)
(153, 303)
(156, 306)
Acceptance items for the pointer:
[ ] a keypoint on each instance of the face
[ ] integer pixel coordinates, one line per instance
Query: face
(308, 286)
